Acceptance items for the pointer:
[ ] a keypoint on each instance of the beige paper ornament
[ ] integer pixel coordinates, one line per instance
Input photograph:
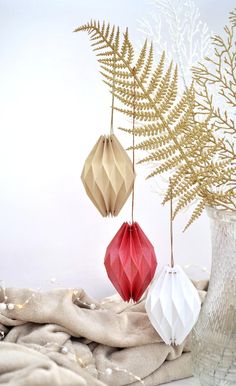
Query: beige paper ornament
(108, 175)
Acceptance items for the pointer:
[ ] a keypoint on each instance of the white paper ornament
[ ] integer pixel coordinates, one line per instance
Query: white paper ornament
(173, 305)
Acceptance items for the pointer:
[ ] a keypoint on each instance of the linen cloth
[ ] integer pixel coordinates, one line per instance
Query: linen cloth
(56, 338)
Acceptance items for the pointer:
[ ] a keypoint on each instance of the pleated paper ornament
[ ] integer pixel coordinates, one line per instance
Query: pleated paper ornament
(108, 175)
(173, 303)
(130, 258)
(130, 261)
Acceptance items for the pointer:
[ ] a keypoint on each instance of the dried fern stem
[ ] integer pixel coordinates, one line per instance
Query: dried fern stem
(190, 166)
(177, 141)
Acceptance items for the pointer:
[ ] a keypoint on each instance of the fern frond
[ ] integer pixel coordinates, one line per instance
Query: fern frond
(170, 95)
(196, 213)
(179, 143)
(178, 178)
(183, 105)
(141, 59)
(163, 85)
(150, 129)
(140, 115)
(166, 165)
(140, 106)
(157, 74)
(147, 68)
(185, 199)
(116, 73)
(127, 51)
(157, 90)
(158, 155)
(123, 84)
(153, 143)
(121, 87)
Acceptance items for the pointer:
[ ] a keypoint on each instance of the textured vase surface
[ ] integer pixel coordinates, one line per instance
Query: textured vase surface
(214, 336)
(130, 261)
(108, 175)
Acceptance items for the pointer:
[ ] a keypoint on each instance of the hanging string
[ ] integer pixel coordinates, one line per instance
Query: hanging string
(112, 98)
(171, 227)
(133, 127)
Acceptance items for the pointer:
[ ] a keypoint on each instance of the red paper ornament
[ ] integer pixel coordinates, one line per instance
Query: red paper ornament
(130, 261)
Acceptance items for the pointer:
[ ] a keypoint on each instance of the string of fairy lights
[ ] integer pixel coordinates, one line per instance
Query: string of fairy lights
(63, 349)
(53, 346)
(10, 306)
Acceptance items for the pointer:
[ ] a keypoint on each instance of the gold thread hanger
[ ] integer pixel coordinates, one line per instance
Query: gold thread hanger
(172, 263)
(133, 127)
(113, 98)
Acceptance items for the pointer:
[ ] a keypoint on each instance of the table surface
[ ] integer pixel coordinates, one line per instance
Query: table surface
(184, 382)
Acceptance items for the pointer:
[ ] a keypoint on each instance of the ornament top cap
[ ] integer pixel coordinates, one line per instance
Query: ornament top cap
(173, 270)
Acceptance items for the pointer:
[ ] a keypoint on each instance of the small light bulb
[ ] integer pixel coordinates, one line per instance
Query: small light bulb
(108, 371)
(64, 350)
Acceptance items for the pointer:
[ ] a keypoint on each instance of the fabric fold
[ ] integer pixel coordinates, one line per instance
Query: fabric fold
(64, 337)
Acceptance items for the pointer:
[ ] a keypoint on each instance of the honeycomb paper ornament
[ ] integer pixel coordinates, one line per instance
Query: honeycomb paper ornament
(108, 175)
(173, 305)
(130, 261)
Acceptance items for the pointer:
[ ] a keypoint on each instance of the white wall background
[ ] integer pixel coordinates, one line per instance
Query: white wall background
(53, 107)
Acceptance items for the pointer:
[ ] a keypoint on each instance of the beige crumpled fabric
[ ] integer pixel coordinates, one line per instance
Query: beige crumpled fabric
(113, 344)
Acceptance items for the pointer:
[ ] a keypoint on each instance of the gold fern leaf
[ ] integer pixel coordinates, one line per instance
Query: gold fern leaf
(196, 213)
(177, 142)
